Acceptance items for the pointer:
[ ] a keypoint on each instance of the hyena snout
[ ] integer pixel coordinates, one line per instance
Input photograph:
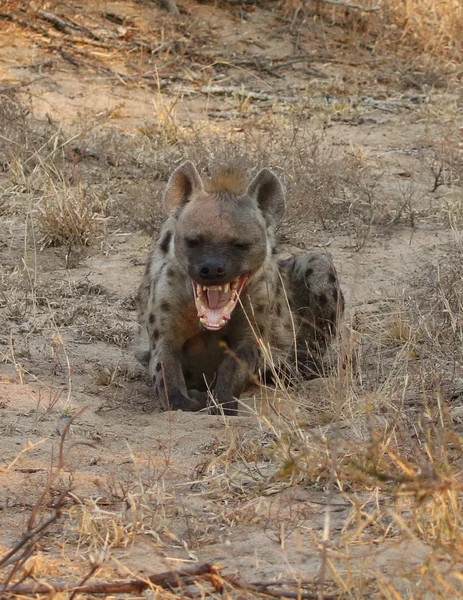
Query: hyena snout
(212, 271)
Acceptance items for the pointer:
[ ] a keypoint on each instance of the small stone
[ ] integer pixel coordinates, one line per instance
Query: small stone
(63, 421)
(457, 388)
(457, 414)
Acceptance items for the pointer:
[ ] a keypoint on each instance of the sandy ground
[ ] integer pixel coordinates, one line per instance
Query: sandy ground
(72, 347)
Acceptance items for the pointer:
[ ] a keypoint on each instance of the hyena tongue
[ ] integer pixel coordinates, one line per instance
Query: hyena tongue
(216, 306)
(217, 299)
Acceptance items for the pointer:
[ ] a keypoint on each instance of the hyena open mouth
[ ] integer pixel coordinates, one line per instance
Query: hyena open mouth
(216, 303)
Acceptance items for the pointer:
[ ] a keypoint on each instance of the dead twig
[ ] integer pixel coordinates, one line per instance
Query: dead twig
(63, 25)
(29, 469)
(94, 568)
(32, 533)
(369, 9)
(69, 58)
(73, 39)
(8, 557)
(165, 580)
(260, 587)
(243, 93)
(57, 22)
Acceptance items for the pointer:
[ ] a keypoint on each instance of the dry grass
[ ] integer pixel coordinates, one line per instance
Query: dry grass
(12, 126)
(442, 160)
(143, 510)
(392, 439)
(405, 29)
(379, 440)
(66, 217)
(385, 445)
(434, 27)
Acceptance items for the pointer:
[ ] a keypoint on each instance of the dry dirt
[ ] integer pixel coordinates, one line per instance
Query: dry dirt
(151, 490)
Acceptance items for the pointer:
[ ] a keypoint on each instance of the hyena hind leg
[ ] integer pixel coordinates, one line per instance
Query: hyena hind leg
(317, 303)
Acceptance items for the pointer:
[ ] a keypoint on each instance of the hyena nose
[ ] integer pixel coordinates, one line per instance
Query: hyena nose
(212, 270)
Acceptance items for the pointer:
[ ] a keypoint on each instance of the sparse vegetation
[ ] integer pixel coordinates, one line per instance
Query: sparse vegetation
(434, 27)
(66, 218)
(343, 487)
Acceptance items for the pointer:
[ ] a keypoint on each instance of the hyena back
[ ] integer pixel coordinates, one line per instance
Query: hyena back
(214, 292)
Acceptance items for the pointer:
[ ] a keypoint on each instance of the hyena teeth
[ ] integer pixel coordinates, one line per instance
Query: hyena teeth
(203, 320)
(226, 288)
(230, 305)
(222, 322)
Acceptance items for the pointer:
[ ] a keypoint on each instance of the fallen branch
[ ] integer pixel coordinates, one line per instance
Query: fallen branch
(57, 22)
(170, 579)
(369, 9)
(15, 86)
(93, 569)
(165, 580)
(70, 59)
(263, 588)
(75, 39)
(314, 101)
(62, 25)
(243, 93)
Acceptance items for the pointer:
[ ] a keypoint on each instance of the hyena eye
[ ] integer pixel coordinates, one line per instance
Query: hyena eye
(242, 245)
(192, 242)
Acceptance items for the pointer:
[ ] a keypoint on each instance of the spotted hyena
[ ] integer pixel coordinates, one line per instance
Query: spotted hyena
(216, 299)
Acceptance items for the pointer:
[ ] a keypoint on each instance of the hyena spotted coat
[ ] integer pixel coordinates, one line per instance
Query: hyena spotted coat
(214, 292)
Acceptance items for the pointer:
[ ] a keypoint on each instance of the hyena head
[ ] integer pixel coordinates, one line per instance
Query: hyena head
(222, 235)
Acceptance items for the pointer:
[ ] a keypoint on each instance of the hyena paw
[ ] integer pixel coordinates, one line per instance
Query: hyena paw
(200, 397)
(191, 403)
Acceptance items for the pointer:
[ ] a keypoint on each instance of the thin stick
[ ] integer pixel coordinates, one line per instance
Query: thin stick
(33, 532)
(93, 570)
(15, 86)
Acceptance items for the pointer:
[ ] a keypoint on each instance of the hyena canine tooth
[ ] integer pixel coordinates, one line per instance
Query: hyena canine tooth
(213, 288)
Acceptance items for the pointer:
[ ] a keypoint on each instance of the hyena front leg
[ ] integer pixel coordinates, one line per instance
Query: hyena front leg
(160, 317)
(169, 384)
(317, 303)
(234, 375)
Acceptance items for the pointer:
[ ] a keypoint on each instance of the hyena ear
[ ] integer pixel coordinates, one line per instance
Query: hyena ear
(267, 191)
(183, 183)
